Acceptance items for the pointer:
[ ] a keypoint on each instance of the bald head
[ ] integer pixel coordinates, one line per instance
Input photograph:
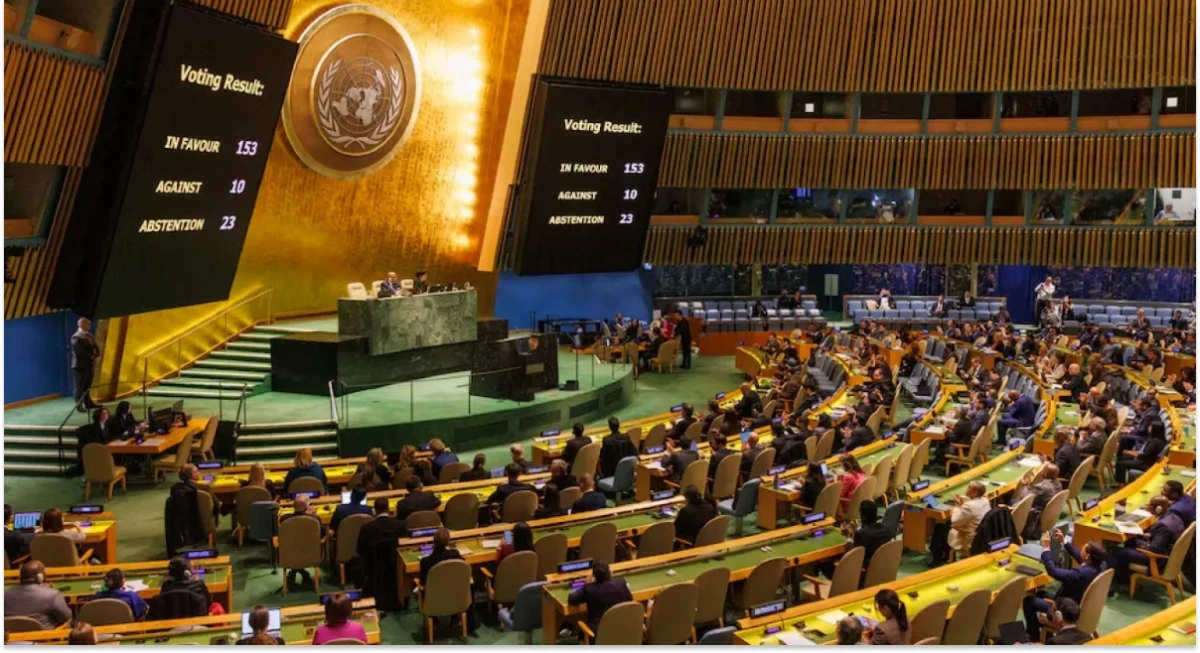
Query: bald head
(976, 489)
(586, 482)
(301, 503)
(32, 573)
(1052, 470)
(1073, 368)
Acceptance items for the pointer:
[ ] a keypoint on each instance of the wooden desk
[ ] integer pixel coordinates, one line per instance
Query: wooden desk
(775, 501)
(969, 575)
(80, 584)
(154, 444)
(1000, 474)
(100, 534)
(1098, 524)
(298, 623)
(647, 576)
(1158, 625)
(1183, 451)
(1173, 363)
(224, 483)
(1060, 414)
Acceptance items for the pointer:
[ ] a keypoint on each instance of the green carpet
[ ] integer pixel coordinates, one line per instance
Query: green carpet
(140, 534)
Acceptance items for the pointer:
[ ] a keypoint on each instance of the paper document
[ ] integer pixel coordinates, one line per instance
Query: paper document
(833, 617)
(793, 638)
(1030, 461)
(656, 465)
(136, 585)
(1191, 473)
(1128, 528)
(1141, 514)
(464, 550)
(491, 544)
(935, 429)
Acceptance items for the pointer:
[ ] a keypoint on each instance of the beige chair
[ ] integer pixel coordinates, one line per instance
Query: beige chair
(519, 506)
(1052, 511)
(920, 460)
(209, 510)
(828, 500)
(1078, 478)
(451, 472)
(928, 641)
(1156, 374)
(514, 571)
(810, 447)
(1020, 513)
(345, 641)
(202, 448)
(174, 461)
(98, 467)
(657, 540)
(714, 586)
(345, 542)
(1164, 570)
(966, 455)
(56, 550)
(903, 469)
(760, 586)
(762, 464)
(242, 501)
(586, 460)
(635, 437)
(657, 436)
(671, 618)
(622, 625)
(568, 497)
(305, 484)
(552, 551)
(966, 624)
(452, 578)
(885, 564)
(716, 425)
(1122, 416)
(770, 407)
(599, 542)
(1005, 607)
(882, 475)
(875, 420)
(694, 475)
(846, 575)
(863, 492)
(462, 511)
(929, 622)
(714, 531)
(356, 290)
(300, 546)
(725, 483)
(824, 446)
(1105, 470)
(422, 519)
(22, 625)
(105, 612)
(1090, 607)
(666, 356)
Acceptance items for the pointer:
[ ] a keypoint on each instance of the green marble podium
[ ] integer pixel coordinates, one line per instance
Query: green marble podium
(397, 324)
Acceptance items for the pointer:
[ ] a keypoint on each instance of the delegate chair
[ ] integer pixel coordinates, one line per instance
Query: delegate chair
(903, 469)
(714, 585)
(744, 503)
(622, 479)
(760, 586)
(1164, 570)
(919, 461)
(827, 500)
(725, 482)
(1105, 469)
(202, 448)
(305, 484)
(552, 551)
(824, 446)
(300, 546)
(966, 456)
(586, 460)
(56, 550)
(671, 617)
(891, 517)
(666, 356)
(1078, 478)
(810, 447)
(885, 564)
(657, 540)
(209, 508)
(462, 511)
(173, 462)
(846, 575)
(622, 625)
(422, 519)
(451, 472)
(346, 543)
(568, 497)
(515, 571)
(599, 542)
(694, 475)
(452, 578)
(657, 435)
(519, 507)
(718, 637)
(966, 624)
(1052, 511)
(105, 612)
(1006, 605)
(242, 501)
(714, 531)
(356, 291)
(21, 625)
(1020, 514)
(863, 492)
(928, 641)
(762, 464)
(1090, 607)
(882, 475)
(526, 614)
(98, 467)
(929, 622)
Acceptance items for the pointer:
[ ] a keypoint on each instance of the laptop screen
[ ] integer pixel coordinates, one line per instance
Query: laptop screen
(27, 520)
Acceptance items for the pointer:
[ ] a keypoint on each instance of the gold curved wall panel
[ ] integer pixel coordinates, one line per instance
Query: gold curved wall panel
(876, 45)
(51, 107)
(985, 162)
(955, 246)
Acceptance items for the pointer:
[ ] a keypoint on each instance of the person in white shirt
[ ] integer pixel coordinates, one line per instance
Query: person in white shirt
(886, 303)
(1045, 296)
(1167, 214)
(965, 518)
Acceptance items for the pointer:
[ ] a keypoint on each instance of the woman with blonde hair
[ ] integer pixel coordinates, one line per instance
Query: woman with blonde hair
(377, 462)
(303, 465)
(258, 478)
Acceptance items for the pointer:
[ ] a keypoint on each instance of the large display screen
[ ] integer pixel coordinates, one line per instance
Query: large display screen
(588, 178)
(209, 122)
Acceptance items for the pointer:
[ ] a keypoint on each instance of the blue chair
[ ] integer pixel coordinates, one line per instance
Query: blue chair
(1129, 311)
(903, 304)
(1112, 310)
(263, 524)
(741, 505)
(526, 614)
(893, 513)
(718, 637)
(621, 480)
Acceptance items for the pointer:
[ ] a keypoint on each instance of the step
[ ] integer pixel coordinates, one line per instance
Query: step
(251, 345)
(228, 375)
(267, 461)
(31, 428)
(287, 436)
(11, 453)
(280, 329)
(32, 468)
(39, 440)
(241, 366)
(212, 384)
(285, 426)
(237, 354)
(258, 337)
(245, 452)
(193, 394)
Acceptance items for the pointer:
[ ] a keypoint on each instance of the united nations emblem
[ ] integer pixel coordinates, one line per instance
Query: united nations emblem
(354, 92)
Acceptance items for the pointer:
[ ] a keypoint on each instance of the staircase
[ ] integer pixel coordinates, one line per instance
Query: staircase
(279, 441)
(245, 360)
(30, 449)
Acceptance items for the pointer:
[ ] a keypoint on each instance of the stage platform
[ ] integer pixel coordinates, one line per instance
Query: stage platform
(401, 413)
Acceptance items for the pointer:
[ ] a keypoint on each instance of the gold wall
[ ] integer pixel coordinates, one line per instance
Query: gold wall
(311, 235)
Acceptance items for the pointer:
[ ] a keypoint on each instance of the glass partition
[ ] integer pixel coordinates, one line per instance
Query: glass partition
(1175, 207)
(678, 201)
(879, 206)
(762, 104)
(1049, 207)
(739, 203)
(820, 105)
(695, 101)
(808, 206)
(1119, 207)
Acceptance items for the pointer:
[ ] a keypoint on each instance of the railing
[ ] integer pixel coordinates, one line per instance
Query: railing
(155, 357)
(333, 410)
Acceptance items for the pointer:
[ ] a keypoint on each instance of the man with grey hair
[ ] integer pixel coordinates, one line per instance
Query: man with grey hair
(84, 354)
(849, 632)
(966, 516)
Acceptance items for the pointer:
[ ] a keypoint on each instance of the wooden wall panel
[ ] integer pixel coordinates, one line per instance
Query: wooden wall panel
(25, 295)
(873, 45)
(51, 107)
(977, 161)
(272, 13)
(959, 245)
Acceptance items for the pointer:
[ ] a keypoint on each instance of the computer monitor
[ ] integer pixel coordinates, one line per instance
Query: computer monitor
(273, 622)
(24, 520)
(160, 419)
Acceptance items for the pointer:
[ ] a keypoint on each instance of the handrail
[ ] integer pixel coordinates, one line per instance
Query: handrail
(213, 318)
(333, 411)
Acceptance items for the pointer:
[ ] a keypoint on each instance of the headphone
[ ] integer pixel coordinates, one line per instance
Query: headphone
(37, 579)
(180, 569)
(113, 579)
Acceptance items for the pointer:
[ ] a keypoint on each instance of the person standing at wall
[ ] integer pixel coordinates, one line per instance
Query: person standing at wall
(684, 332)
(1045, 295)
(84, 354)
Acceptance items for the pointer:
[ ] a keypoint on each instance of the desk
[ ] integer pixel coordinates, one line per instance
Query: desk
(1183, 452)
(1062, 414)
(154, 445)
(647, 576)
(650, 476)
(298, 624)
(1159, 625)
(774, 501)
(403, 323)
(100, 535)
(226, 482)
(934, 424)
(1001, 475)
(1098, 524)
(971, 574)
(80, 584)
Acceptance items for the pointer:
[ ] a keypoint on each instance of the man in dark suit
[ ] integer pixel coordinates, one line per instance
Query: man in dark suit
(416, 500)
(1066, 456)
(577, 442)
(870, 534)
(720, 452)
(421, 283)
(560, 476)
(751, 449)
(512, 486)
(1145, 416)
(686, 419)
(694, 514)
(856, 435)
(1073, 383)
(441, 552)
(749, 401)
(1066, 614)
(383, 526)
(357, 506)
(1142, 456)
(683, 331)
(601, 594)
(84, 354)
(961, 433)
(390, 286)
(714, 411)
(615, 446)
(1021, 413)
(1073, 581)
(678, 457)
(373, 565)
(590, 499)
